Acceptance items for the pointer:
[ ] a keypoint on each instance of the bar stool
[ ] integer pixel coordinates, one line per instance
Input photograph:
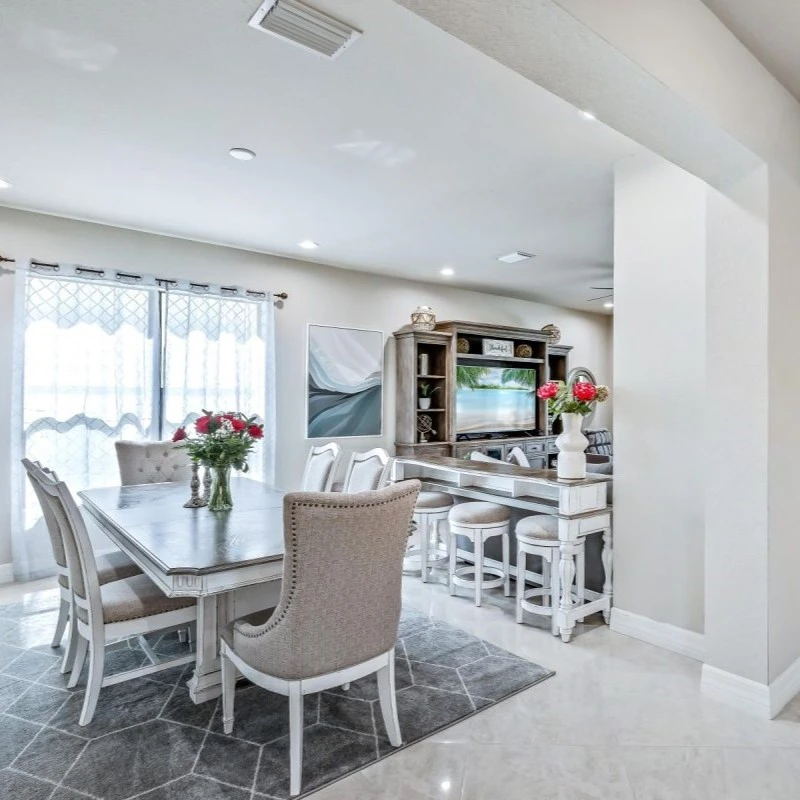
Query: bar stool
(430, 512)
(538, 536)
(479, 522)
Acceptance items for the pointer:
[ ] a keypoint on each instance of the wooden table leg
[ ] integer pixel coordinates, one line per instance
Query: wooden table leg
(212, 613)
(566, 569)
(607, 557)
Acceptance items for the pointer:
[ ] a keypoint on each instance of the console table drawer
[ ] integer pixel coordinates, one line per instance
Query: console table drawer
(535, 447)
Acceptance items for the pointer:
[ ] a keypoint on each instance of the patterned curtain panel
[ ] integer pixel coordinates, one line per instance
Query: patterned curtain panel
(215, 358)
(98, 361)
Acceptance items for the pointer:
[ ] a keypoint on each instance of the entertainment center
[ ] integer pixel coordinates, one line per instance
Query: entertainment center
(481, 382)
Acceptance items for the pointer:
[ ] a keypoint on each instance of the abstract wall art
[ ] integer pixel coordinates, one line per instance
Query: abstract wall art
(344, 382)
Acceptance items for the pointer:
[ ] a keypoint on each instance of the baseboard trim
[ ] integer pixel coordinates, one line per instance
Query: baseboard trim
(736, 691)
(6, 573)
(784, 688)
(661, 634)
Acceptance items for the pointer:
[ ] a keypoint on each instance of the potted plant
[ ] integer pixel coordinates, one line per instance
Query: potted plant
(571, 402)
(426, 392)
(221, 441)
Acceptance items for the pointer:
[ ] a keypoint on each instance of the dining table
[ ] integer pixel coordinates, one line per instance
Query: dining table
(231, 561)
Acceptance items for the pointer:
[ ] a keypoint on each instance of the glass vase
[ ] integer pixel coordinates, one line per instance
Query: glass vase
(220, 498)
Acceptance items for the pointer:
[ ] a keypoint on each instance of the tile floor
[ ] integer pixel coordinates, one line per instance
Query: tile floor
(621, 720)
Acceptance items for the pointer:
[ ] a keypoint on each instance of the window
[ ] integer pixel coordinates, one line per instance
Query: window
(102, 361)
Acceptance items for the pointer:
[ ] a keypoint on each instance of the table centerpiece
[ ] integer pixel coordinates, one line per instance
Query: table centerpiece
(220, 442)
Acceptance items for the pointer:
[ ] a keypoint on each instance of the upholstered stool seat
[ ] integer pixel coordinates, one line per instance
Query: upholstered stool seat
(537, 535)
(429, 551)
(478, 522)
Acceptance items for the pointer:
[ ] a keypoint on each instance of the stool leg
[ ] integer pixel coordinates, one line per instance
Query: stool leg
(424, 543)
(520, 582)
(555, 591)
(580, 578)
(506, 566)
(546, 581)
(453, 551)
(478, 566)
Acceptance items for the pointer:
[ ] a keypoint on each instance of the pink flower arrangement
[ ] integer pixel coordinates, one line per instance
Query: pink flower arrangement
(574, 398)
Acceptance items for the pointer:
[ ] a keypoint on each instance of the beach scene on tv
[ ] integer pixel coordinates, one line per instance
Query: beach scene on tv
(494, 399)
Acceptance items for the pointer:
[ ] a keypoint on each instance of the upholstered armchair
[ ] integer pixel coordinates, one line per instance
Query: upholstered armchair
(339, 609)
(152, 462)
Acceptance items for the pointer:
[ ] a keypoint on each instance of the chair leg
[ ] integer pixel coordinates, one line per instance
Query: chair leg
(97, 658)
(453, 553)
(555, 592)
(228, 692)
(506, 566)
(424, 544)
(389, 702)
(478, 541)
(520, 582)
(63, 616)
(80, 659)
(545, 582)
(72, 645)
(295, 738)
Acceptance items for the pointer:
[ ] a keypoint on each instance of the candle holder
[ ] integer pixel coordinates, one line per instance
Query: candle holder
(195, 501)
(206, 485)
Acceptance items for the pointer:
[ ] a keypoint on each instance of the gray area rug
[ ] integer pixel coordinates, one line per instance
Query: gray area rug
(149, 741)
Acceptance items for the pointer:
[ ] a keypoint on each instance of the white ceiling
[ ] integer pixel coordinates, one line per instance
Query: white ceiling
(409, 153)
(770, 29)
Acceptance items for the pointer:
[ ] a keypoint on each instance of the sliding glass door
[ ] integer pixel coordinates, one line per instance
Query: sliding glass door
(101, 361)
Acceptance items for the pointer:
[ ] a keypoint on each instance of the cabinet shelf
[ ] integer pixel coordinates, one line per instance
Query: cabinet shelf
(429, 410)
(433, 377)
(504, 359)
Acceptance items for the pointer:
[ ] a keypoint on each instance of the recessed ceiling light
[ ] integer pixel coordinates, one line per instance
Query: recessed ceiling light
(4, 184)
(608, 305)
(512, 258)
(447, 271)
(242, 153)
(588, 115)
(307, 244)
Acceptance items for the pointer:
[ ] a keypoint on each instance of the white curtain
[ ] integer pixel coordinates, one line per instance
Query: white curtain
(218, 356)
(97, 361)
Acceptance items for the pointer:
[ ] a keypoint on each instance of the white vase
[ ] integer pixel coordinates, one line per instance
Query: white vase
(571, 446)
(425, 402)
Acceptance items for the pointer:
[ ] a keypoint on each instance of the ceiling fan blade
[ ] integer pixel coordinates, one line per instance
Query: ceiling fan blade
(602, 297)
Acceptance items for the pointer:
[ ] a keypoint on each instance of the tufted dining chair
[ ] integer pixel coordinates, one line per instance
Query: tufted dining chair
(329, 628)
(104, 613)
(152, 462)
(367, 471)
(110, 566)
(321, 467)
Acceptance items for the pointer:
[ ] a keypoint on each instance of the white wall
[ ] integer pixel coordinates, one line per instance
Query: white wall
(659, 383)
(316, 294)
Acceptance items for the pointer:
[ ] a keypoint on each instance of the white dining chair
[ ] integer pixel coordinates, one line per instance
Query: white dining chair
(110, 567)
(152, 462)
(516, 456)
(128, 607)
(367, 471)
(328, 629)
(321, 466)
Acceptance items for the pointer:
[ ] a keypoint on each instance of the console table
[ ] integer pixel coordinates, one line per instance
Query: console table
(581, 508)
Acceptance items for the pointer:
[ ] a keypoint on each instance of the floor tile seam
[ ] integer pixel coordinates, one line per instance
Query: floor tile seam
(153, 788)
(18, 771)
(205, 736)
(69, 770)
(213, 778)
(44, 727)
(255, 774)
(168, 700)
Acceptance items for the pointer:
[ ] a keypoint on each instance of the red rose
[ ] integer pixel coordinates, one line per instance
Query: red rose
(582, 390)
(548, 391)
(256, 431)
(179, 435)
(237, 424)
(201, 424)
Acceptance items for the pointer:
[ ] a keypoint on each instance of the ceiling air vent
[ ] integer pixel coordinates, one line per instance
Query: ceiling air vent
(299, 23)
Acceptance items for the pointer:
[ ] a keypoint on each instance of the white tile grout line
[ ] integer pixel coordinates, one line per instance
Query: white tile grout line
(255, 776)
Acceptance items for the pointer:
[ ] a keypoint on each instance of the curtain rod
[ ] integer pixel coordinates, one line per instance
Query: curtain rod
(127, 277)
(3, 270)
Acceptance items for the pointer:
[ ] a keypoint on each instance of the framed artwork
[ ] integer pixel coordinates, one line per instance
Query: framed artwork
(344, 382)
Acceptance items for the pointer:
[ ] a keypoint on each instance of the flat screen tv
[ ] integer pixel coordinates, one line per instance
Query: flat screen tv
(495, 399)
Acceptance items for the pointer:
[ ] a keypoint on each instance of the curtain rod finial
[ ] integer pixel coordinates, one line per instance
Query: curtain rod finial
(280, 295)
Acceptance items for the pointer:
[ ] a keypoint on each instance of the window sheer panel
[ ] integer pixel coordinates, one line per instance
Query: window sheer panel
(214, 358)
(89, 377)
